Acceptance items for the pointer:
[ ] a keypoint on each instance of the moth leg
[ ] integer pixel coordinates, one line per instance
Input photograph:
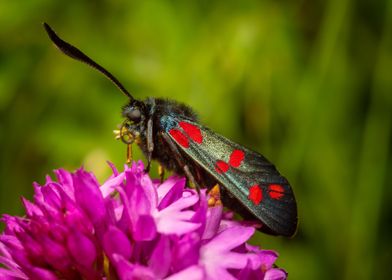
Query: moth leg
(150, 145)
(161, 172)
(181, 163)
(129, 154)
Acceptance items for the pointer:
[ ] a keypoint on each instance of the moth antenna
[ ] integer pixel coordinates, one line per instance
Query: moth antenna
(77, 54)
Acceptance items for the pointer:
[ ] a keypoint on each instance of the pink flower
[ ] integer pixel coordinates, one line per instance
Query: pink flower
(130, 227)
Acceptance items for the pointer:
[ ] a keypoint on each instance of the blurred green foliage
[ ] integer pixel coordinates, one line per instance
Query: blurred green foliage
(307, 83)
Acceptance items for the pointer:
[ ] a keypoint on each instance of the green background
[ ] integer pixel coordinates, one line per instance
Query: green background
(306, 83)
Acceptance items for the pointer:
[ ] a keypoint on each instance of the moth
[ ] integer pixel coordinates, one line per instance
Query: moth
(169, 132)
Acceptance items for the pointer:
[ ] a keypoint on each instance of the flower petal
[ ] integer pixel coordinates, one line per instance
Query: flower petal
(56, 254)
(225, 241)
(218, 273)
(172, 220)
(116, 242)
(109, 186)
(187, 251)
(170, 191)
(275, 274)
(128, 271)
(89, 198)
(145, 228)
(268, 258)
(82, 249)
(245, 273)
(51, 196)
(217, 258)
(31, 208)
(40, 273)
(161, 258)
(113, 167)
(193, 272)
(135, 192)
(174, 226)
(6, 274)
(66, 182)
(213, 221)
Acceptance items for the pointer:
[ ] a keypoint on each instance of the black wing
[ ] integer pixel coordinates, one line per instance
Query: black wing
(247, 175)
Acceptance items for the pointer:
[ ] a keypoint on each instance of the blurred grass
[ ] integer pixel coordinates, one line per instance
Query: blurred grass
(306, 83)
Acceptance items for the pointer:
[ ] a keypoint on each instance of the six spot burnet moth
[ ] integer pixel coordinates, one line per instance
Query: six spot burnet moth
(169, 132)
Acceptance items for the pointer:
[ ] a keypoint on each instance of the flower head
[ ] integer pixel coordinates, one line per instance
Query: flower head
(130, 227)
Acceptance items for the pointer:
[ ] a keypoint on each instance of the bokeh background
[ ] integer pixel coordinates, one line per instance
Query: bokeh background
(307, 83)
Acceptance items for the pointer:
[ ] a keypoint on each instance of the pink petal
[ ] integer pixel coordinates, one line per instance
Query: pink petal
(9, 263)
(9, 243)
(149, 189)
(31, 208)
(213, 220)
(113, 167)
(33, 248)
(225, 241)
(239, 260)
(217, 257)
(13, 225)
(145, 228)
(140, 203)
(174, 226)
(193, 272)
(218, 273)
(200, 212)
(172, 220)
(275, 274)
(128, 271)
(123, 267)
(66, 182)
(128, 216)
(186, 251)
(51, 196)
(40, 273)
(82, 249)
(90, 199)
(6, 274)
(177, 206)
(109, 186)
(56, 254)
(170, 191)
(161, 257)
(268, 258)
(246, 273)
(116, 242)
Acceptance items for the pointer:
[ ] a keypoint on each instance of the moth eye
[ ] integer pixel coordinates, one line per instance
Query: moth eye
(134, 115)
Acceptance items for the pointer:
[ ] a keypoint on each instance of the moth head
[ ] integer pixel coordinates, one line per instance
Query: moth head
(134, 112)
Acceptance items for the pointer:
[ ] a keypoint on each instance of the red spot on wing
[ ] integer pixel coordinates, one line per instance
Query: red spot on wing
(255, 194)
(221, 166)
(276, 191)
(179, 137)
(236, 157)
(193, 131)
